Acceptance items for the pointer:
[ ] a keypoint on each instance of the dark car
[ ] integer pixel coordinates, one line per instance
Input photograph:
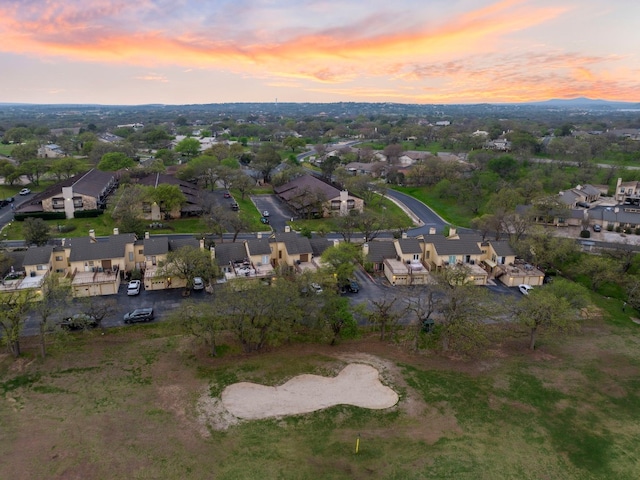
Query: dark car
(79, 321)
(264, 220)
(9, 199)
(139, 315)
(235, 206)
(597, 228)
(350, 286)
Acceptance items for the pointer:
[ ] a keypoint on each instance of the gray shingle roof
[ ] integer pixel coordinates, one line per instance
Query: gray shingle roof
(230, 252)
(466, 244)
(259, 246)
(319, 245)
(294, 243)
(156, 245)
(176, 243)
(502, 248)
(86, 248)
(379, 250)
(38, 255)
(409, 245)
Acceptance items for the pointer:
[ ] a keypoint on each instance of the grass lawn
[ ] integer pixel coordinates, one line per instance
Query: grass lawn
(142, 402)
(448, 209)
(386, 208)
(6, 149)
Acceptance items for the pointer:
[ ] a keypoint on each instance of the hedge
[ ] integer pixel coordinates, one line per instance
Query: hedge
(87, 213)
(19, 217)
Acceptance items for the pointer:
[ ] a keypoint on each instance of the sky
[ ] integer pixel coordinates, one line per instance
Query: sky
(132, 52)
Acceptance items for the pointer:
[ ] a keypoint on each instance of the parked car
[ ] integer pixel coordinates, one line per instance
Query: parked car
(139, 315)
(134, 287)
(350, 286)
(235, 206)
(227, 195)
(25, 191)
(597, 228)
(3, 203)
(264, 220)
(9, 200)
(79, 321)
(198, 283)
(524, 288)
(265, 213)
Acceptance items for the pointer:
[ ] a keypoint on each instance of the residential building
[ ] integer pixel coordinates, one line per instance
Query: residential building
(310, 196)
(87, 191)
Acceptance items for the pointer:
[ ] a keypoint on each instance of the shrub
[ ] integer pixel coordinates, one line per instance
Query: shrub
(87, 213)
(585, 234)
(637, 232)
(610, 228)
(20, 217)
(66, 228)
(628, 231)
(618, 229)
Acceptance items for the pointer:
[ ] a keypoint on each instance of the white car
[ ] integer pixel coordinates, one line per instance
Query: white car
(133, 288)
(524, 288)
(265, 213)
(25, 191)
(198, 283)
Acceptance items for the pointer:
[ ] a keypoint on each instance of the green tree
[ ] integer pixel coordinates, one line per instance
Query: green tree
(597, 270)
(266, 160)
(35, 231)
(463, 308)
(26, 152)
(186, 263)
(13, 314)
(33, 170)
(115, 161)
(168, 197)
(53, 301)
(203, 320)
(293, 143)
(546, 308)
(66, 167)
(338, 318)
(340, 260)
(189, 147)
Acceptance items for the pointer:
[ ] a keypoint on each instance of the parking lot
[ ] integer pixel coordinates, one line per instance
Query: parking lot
(279, 213)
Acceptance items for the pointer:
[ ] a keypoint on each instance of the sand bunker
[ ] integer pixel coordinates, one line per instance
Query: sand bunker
(356, 384)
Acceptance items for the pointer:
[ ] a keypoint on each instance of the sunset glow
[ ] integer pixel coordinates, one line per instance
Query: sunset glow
(409, 51)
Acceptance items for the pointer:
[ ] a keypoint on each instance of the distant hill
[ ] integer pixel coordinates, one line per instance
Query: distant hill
(583, 102)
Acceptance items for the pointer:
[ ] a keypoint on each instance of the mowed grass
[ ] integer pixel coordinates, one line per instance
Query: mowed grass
(128, 404)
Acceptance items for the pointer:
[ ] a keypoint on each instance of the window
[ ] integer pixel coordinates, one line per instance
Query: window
(141, 252)
(42, 267)
(77, 202)
(265, 259)
(131, 256)
(57, 203)
(335, 204)
(452, 259)
(58, 258)
(416, 256)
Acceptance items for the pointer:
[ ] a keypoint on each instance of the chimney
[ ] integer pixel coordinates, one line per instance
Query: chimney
(287, 229)
(404, 234)
(336, 242)
(202, 244)
(116, 231)
(92, 234)
(452, 232)
(259, 235)
(365, 249)
(213, 252)
(146, 235)
(432, 231)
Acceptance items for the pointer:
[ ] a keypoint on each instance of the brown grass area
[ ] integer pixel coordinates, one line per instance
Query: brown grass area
(135, 403)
